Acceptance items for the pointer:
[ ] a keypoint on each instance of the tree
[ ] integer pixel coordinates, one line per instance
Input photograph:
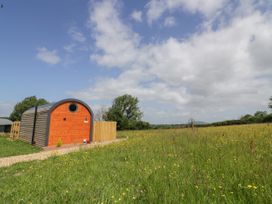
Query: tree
(259, 116)
(270, 103)
(191, 123)
(100, 114)
(142, 125)
(248, 118)
(268, 118)
(22, 106)
(125, 111)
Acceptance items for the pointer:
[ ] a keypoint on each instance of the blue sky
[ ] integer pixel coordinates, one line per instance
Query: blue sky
(210, 60)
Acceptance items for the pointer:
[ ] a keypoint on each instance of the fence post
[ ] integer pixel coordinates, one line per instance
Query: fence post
(34, 126)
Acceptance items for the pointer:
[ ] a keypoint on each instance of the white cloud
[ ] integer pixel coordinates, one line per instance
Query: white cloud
(76, 35)
(136, 15)
(48, 56)
(211, 75)
(169, 21)
(78, 42)
(112, 36)
(156, 8)
(69, 48)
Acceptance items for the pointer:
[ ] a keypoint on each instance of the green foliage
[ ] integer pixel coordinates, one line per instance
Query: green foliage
(138, 125)
(10, 147)
(260, 114)
(210, 165)
(142, 125)
(227, 122)
(248, 118)
(270, 103)
(22, 106)
(126, 112)
(59, 144)
(167, 126)
(267, 118)
(258, 117)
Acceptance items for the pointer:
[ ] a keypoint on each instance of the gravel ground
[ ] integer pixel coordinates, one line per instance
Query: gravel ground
(49, 152)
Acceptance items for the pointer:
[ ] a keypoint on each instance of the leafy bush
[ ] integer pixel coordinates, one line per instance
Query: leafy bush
(59, 144)
(126, 112)
(24, 105)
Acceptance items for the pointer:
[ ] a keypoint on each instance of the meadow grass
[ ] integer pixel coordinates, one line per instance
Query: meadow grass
(209, 165)
(10, 147)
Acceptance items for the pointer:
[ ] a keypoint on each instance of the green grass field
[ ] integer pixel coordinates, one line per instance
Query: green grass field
(208, 165)
(9, 147)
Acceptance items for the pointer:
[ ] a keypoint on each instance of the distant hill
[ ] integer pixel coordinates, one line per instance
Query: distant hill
(183, 125)
(201, 123)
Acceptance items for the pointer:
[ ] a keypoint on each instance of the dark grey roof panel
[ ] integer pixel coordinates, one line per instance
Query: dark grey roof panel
(4, 121)
(42, 108)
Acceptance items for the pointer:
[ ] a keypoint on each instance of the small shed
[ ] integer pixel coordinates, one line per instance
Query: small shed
(5, 125)
(69, 121)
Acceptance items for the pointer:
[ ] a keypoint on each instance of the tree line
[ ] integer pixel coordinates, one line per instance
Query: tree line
(126, 112)
(258, 117)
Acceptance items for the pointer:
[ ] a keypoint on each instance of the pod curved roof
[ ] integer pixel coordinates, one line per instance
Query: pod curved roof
(51, 106)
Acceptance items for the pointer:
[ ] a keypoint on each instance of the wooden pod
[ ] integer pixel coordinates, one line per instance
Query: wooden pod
(69, 121)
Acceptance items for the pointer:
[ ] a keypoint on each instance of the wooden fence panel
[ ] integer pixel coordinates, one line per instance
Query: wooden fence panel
(104, 131)
(15, 130)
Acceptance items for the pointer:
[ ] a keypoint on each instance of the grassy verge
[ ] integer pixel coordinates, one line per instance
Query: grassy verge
(9, 147)
(209, 165)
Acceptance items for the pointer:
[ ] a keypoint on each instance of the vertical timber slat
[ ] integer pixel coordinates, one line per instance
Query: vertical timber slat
(104, 131)
(15, 130)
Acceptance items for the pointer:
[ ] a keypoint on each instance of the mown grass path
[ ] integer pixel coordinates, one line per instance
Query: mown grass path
(55, 151)
(210, 165)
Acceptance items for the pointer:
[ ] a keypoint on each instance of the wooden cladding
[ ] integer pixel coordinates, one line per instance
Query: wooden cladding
(40, 130)
(104, 131)
(70, 127)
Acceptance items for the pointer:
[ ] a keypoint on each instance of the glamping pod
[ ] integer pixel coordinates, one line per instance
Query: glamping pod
(69, 121)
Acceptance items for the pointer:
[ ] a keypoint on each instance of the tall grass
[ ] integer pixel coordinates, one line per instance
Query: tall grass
(208, 165)
(10, 147)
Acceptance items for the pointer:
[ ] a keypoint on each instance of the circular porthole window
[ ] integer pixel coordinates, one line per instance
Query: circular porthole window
(72, 107)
